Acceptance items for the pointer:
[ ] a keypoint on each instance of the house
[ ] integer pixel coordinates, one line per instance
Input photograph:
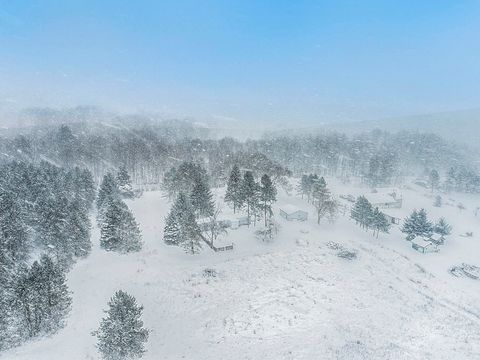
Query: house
(384, 200)
(392, 219)
(291, 212)
(423, 245)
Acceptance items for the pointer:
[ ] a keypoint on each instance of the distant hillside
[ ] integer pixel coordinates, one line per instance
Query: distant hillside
(461, 126)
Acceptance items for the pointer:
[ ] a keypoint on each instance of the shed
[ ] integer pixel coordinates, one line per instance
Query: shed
(384, 201)
(424, 246)
(392, 219)
(437, 239)
(292, 212)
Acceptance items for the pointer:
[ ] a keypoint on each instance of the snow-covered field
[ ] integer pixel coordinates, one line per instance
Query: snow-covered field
(292, 298)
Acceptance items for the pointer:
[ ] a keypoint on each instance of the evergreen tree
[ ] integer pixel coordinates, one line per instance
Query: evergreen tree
(250, 194)
(362, 212)
(417, 224)
(434, 179)
(121, 335)
(78, 223)
(233, 194)
(14, 236)
(124, 183)
(303, 187)
(201, 199)
(119, 231)
(424, 227)
(268, 195)
(181, 227)
(379, 222)
(42, 297)
(108, 189)
(410, 225)
(442, 227)
(320, 193)
(438, 201)
(172, 231)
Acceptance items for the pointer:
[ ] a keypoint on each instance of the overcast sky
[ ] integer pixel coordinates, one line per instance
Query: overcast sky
(295, 61)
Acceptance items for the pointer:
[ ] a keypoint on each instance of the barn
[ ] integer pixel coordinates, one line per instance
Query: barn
(292, 212)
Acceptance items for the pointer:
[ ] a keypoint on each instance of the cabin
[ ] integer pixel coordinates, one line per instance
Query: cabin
(424, 245)
(392, 219)
(384, 200)
(291, 212)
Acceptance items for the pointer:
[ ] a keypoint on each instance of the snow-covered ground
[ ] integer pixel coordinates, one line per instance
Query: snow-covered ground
(292, 298)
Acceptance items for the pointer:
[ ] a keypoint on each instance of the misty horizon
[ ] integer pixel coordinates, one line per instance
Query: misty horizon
(308, 62)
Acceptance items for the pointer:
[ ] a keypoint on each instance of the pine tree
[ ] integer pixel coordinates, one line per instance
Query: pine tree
(171, 231)
(124, 183)
(42, 297)
(181, 227)
(14, 235)
(424, 227)
(108, 189)
(434, 179)
(442, 227)
(379, 222)
(191, 241)
(303, 187)
(417, 224)
(362, 212)
(438, 201)
(119, 231)
(250, 194)
(320, 193)
(233, 194)
(201, 199)
(410, 225)
(121, 334)
(79, 226)
(268, 195)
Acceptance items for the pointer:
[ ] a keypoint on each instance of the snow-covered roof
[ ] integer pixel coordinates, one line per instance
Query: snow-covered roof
(436, 237)
(290, 209)
(422, 242)
(380, 198)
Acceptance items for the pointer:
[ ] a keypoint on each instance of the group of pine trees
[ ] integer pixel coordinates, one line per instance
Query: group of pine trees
(44, 211)
(119, 230)
(314, 188)
(418, 225)
(368, 217)
(245, 193)
(189, 185)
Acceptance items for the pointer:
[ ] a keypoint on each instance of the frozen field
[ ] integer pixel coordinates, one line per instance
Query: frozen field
(293, 298)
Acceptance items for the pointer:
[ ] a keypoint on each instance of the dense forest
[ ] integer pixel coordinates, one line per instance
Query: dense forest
(148, 151)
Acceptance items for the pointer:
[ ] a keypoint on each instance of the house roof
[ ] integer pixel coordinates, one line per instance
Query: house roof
(290, 209)
(380, 198)
(422, 242)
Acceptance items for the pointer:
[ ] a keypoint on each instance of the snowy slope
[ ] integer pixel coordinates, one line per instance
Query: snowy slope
(293, 298)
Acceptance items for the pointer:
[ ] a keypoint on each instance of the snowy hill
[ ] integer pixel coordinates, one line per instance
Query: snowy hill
(293, 298)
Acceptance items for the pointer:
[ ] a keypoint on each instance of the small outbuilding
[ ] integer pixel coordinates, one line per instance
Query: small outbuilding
(424, 245)
(437, 239)
(384, 200)
(292, 212)
(392, 219)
